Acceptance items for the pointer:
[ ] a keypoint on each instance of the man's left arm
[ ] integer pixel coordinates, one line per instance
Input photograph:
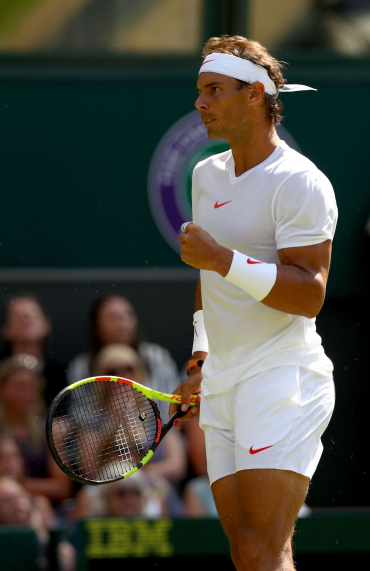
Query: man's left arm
(300, 284)
(301, 280)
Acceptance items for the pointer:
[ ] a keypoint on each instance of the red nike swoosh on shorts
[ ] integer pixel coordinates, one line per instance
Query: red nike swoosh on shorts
(217, 205)
(249, 261)
(251, 451)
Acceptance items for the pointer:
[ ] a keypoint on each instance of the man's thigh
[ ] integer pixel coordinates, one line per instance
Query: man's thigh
(270, 499)
(263, 503)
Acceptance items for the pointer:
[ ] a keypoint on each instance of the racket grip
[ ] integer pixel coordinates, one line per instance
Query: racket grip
(171, 421)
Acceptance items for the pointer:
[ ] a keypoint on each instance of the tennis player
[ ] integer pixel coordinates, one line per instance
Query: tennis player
(263, 222)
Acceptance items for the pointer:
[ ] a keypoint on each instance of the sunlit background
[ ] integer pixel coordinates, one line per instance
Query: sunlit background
(179, 26)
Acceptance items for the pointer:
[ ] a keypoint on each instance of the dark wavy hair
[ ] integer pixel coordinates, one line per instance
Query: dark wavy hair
(256, 53)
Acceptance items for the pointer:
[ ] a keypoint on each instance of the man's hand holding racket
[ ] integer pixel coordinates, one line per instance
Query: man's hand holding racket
(191, 386)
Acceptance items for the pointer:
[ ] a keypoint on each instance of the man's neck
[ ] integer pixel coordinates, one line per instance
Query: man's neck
(28, 347)
(254, 148)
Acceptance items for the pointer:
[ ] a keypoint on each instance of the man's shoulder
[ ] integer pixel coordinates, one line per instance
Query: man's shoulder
(295, 163)
(294, 167)
(213, 162)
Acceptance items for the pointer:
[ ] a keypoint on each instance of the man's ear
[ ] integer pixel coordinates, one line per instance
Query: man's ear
(256, 93)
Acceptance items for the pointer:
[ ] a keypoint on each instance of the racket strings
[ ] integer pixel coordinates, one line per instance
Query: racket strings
(101, 430)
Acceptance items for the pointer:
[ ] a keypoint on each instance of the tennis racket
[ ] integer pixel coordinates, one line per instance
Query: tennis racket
(103, 429)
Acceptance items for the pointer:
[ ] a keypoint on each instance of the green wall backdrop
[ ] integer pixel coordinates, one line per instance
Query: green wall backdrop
(76, 140)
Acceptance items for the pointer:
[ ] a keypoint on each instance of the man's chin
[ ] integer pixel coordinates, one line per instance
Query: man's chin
(213, 134)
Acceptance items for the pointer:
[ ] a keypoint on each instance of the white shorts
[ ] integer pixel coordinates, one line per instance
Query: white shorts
(272, 420)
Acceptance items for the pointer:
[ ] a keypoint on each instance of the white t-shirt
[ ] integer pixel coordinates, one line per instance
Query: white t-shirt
(283, 202)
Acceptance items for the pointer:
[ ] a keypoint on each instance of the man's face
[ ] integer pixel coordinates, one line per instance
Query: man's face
(222, 105)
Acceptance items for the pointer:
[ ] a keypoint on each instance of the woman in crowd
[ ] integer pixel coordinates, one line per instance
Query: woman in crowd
(22, 415)
(113, 320)
(26, 330)
(12, 465)
(17, 508)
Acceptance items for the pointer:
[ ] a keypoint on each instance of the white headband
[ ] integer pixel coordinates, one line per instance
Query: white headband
(247, 71)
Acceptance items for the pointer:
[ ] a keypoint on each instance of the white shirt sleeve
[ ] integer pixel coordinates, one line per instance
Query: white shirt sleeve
(194, 197)
(305, 210)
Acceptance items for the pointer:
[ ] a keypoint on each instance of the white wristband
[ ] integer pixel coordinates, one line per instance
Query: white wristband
(252, 276)
(200, 336)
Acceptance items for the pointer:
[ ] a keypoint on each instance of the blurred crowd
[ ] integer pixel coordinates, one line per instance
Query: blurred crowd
(33, 490)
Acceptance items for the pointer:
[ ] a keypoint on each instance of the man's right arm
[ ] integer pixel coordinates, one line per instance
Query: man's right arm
(191, 385)
(199, 306)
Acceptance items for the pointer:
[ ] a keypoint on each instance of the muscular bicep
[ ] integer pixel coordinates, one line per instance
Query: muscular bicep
(315, 260)
(300, 285)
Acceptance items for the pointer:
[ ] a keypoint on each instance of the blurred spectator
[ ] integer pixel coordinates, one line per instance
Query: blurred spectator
(22, 414)
(120, 361)
(12, 466)
(131, 497)
(197, 494)
(198, 499)
(196, 445)
(17, 508)
(169, 461)
(113, 320)
(11, 459)
(25, 331)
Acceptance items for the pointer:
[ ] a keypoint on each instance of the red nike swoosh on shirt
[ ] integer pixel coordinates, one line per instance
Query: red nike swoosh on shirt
(249, 261)
(217, 205)
(251, 451)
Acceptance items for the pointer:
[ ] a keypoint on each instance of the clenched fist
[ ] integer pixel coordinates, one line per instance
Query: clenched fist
(200, 250)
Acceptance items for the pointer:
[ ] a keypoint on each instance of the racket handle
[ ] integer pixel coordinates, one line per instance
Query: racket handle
(170, 422)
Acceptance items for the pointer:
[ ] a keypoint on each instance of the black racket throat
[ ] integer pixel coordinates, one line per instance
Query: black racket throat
(170, 422)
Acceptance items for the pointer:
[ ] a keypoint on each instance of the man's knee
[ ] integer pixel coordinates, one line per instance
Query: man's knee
(261, 550)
